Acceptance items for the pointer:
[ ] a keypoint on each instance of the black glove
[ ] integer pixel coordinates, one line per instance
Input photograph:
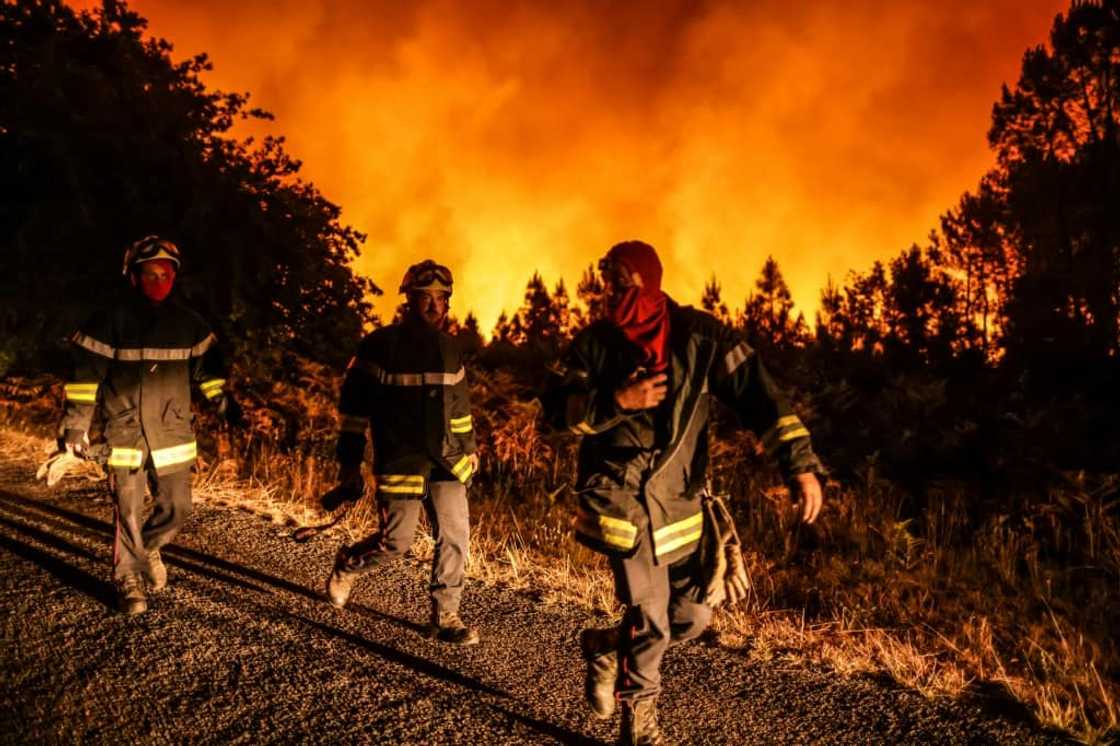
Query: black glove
(231, 411)
(343, 493)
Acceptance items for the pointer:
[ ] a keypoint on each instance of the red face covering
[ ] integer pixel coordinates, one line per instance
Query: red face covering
(642, 313)
(156, 290)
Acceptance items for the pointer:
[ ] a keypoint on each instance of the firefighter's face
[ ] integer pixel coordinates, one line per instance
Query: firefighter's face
(617, 280)
(430, 305)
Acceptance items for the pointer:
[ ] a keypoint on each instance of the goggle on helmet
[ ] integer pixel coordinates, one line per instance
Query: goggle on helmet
(427, 275)
(148, 249)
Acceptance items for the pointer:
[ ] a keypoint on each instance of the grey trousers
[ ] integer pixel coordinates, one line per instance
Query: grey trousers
(449, 515)
(663, 607)
(134, 537)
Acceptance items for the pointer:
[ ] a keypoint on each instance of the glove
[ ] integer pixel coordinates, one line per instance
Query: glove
(58, 463)
(721, 556)
(231, 411)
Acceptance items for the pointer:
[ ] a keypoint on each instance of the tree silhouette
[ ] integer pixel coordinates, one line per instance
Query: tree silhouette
(1056, 135)
(104, 139)
(767, 318)
(712, 301)
(589, 291)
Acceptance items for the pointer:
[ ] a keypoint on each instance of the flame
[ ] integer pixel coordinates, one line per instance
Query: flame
(506, 138)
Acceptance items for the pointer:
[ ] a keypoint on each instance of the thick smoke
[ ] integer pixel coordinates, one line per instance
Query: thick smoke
(504, 138)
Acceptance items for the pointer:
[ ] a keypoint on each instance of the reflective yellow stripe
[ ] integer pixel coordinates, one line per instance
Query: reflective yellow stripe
(785, 429)
(617, 532)
(350, 423)
(793, 434)
(400, 478)
(174, 455)
(400, 489)
(583, 428)
(81, 392)
(212, 388)
(462, 469)
(400, 484)
(126, 458)
(461, 424)
(679, 534)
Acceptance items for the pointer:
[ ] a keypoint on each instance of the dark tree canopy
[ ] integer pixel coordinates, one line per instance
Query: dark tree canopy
(104, 139)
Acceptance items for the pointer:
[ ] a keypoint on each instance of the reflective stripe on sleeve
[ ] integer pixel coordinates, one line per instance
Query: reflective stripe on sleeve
(126, 458)
(676, 535)
(212, 387)
(738, 355)
(85, 393)
(462, 469)
(174, 455)
(204, 345)
(582, 428)
(785, 429)
(350, 423)
(461, 424)
(400, 484)
(93, 345)
(605, 529)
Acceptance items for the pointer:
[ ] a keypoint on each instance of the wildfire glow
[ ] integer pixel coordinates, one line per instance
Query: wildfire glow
(503, 138)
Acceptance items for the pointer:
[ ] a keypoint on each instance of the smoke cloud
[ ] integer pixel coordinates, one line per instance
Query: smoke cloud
(503, 138)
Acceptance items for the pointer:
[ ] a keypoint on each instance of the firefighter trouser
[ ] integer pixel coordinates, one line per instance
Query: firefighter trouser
(663, 607)
(134, 537)
(449, 516)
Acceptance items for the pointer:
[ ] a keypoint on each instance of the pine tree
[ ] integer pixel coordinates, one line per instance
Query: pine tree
(712, 301)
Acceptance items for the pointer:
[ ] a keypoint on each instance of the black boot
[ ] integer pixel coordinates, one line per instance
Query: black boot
(131, 598)
(341, 580)
(639, 724)
(600, 651)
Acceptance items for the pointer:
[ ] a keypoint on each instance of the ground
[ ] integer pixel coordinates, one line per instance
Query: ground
(243, 648)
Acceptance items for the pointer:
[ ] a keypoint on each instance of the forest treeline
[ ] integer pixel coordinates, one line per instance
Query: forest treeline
(989, 352)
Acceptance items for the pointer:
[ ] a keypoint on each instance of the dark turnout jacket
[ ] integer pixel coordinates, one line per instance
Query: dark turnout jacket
(408, 384)
(641, 473)
(138, 361)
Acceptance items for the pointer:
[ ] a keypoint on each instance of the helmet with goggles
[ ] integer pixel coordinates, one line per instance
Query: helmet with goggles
(427, 275)
(149, 249)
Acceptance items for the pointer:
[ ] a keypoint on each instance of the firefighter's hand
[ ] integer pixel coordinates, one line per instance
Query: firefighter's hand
(642, 393)
(808, 496)
(231, 411)
(474, 463)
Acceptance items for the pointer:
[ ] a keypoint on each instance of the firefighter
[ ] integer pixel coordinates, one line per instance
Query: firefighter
(136, 361)
(637, 387)
(408, 385)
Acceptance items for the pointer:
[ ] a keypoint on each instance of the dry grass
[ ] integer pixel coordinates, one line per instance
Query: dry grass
(945, 597)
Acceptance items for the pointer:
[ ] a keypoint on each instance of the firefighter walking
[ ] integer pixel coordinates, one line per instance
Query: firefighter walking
(407, 384)
(637, 387)
(137, 361)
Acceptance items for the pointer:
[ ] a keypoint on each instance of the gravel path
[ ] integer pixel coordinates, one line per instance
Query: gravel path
(242, 648)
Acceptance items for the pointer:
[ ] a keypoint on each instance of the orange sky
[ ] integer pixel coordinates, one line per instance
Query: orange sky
(505, 137)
